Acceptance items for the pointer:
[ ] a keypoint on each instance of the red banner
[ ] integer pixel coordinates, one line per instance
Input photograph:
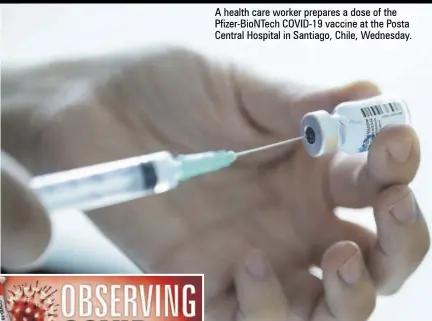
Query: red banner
(102, 297)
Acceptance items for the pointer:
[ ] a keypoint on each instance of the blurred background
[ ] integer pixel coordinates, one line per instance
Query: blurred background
(33, 34)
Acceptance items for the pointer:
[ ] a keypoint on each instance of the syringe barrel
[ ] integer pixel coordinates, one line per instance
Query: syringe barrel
(107, 184)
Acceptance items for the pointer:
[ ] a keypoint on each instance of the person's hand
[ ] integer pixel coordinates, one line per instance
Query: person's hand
(25, 225)
(280, 201)
(262, 297)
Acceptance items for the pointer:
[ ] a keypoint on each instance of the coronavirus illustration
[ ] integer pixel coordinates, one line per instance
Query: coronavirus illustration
(32, 303)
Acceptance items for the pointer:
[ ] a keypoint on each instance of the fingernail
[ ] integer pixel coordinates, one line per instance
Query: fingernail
(400, 150)
(256, 265)
(352, 269)
(362, 89)
(405, 210)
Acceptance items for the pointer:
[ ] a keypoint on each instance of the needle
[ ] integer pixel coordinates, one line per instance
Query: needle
(258, 149)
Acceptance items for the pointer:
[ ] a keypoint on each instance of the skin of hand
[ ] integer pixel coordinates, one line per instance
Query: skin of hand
(25, 225)
(281, 201)
(262, 296)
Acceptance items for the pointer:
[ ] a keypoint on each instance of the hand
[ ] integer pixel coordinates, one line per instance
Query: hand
(262, 296)
(25, 226)
(281, 201)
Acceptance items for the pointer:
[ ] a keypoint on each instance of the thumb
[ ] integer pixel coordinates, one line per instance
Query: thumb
(276, 108)
(259, 292)
(25, 226)
(273, 110)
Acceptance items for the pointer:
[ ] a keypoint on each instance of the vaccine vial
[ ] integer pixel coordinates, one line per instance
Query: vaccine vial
(352, 125)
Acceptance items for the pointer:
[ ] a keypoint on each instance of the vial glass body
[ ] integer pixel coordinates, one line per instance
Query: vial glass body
(360, 121)
(352, 126)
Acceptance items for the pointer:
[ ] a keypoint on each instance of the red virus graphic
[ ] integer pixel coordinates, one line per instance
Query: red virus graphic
(32, 303)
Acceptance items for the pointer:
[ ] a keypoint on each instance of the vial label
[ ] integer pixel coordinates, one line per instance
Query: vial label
(377, 117)
(361, 121)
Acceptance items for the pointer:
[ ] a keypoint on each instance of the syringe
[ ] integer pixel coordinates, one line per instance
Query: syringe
(350, 128)
(115, 182)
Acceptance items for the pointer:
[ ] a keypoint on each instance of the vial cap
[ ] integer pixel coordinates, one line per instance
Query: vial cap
(320, 133)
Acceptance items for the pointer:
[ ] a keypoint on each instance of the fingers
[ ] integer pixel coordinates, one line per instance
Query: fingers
(303, 291)
(260, 295)
(285, 106)
(224, 307)
(349, 293)
(328, 99)
(403, 238)
(393, 158)
(25, 225)
(400, 245)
